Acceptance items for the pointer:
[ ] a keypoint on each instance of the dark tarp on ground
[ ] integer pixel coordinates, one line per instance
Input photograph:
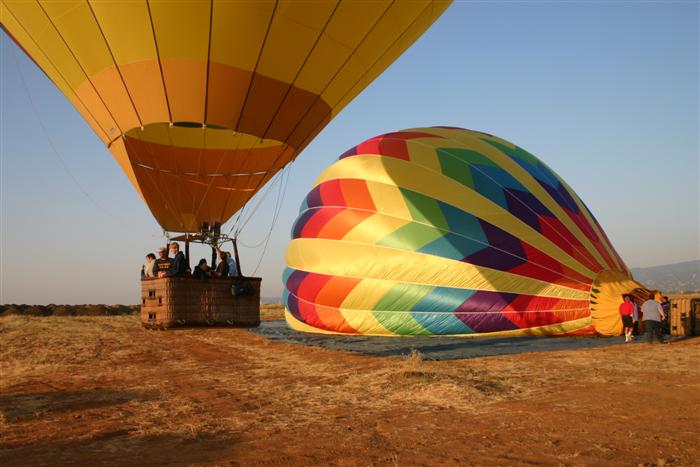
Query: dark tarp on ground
(435, 348)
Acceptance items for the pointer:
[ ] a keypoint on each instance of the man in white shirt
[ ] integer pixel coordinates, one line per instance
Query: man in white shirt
(652, 315)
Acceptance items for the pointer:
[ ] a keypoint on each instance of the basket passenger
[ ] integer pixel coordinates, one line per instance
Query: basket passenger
(226, 257)
(162, 264)
(222, 267)
(147, 270)
(232, 267)
(179, 265)
(202, 271)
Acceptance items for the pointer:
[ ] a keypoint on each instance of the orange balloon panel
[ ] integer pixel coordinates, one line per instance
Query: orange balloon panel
(202, 102)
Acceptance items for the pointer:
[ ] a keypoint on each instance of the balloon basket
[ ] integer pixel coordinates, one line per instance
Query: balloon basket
(685, 316)
(170, 302)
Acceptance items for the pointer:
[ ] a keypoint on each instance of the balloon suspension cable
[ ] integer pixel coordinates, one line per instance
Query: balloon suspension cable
(247, 212)
(238, 222)
(282, 179)
(275, 212)
(54, 150)
(278, 209)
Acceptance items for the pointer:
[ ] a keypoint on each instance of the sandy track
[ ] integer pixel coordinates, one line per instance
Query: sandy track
(86, 390)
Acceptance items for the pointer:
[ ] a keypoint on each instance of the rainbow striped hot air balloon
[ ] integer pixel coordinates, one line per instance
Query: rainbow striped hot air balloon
(446, 231)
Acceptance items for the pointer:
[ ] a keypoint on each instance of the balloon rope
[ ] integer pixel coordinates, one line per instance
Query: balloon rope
(278, 209)
(228, 186)
(53, 146)
(96, 125)
(259, 198)
(282, 176)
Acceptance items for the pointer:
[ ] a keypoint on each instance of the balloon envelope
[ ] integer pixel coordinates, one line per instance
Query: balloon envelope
(452, 232)
(202, 102)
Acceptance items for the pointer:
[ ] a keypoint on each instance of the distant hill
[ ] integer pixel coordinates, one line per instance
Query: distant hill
(678, 277)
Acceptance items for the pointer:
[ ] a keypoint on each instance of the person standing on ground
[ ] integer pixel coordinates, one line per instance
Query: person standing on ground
(653, 314)
(626, 312)
(665, 324)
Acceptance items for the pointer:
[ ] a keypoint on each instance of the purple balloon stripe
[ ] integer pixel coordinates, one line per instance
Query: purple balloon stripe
(481, 312)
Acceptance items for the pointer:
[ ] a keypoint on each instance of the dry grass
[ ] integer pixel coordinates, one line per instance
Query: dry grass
(271, 311)
(97, 381)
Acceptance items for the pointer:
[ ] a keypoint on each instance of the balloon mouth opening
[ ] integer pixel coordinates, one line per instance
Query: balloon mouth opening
(606, 297)
(198, 135)
(194, 173)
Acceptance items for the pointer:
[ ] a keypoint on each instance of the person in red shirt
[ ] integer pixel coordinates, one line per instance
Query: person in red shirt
(626, 310)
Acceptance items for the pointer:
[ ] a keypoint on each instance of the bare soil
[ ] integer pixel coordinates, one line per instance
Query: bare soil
(103, 391)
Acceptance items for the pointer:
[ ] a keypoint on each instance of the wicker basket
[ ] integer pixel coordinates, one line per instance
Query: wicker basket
(185, 301)
(685, 316)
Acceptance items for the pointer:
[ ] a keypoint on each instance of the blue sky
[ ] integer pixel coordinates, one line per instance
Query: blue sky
(606, 93)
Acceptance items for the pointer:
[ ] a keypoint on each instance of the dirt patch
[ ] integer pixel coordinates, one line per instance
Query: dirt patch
(101, 390)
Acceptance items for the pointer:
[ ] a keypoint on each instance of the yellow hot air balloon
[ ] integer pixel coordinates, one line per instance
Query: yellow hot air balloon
(202, 102)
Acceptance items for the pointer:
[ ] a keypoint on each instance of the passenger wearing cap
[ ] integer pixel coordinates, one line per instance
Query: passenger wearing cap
(179, 266)
(162, 264)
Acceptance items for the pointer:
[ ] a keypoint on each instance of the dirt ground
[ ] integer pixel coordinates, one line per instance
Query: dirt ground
(103, 391)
